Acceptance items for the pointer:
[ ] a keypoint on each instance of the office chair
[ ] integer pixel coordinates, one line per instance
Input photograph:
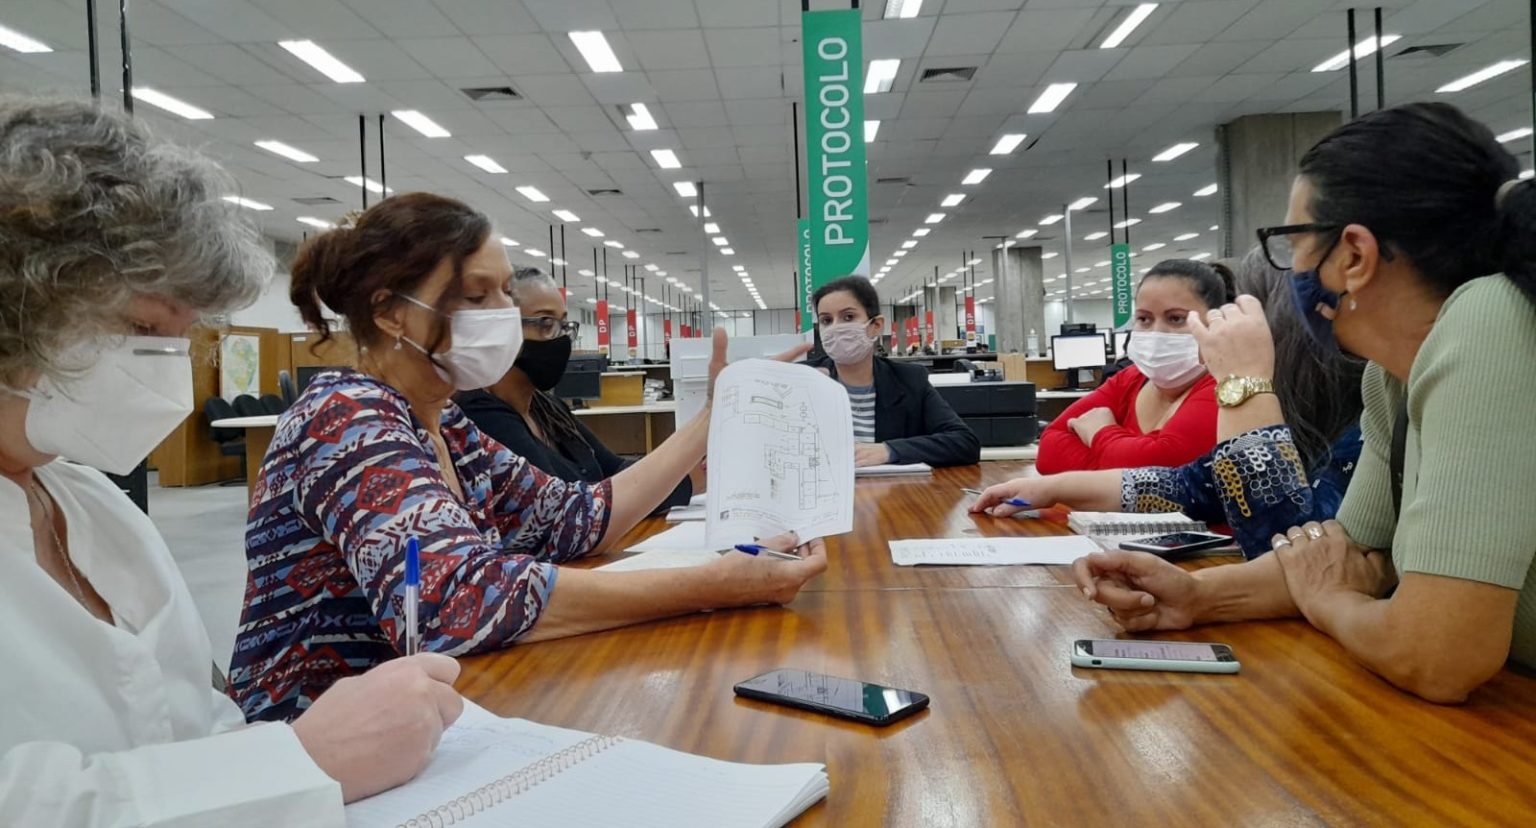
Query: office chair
(273, 404)
(231, 440)
(248, 406)
(285, 386)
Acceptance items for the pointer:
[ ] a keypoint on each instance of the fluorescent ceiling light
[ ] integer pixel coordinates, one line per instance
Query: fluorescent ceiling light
(1095, 236)
(596, 52)
(934, 218)
(909, 243)
(871, 129)
(630, 254)
(1082, 204)
(1524, 174)
(666, 159)
(1199, 257)
(1008, 143)
(591, 300)
(1175, 151)
(711, 228)
(1082, 270)
(593, 232)
(371, 185)
(532, 194)
(169, 104)
(1363, 49)
(726, 251)
(891, 262)
(508, 242)
(1166, 207)
(694, 209)
(1050, 255)
(290, 153)
(902, 8)
(1153, 246)
(1515, 135)
(1027, 233)
(640, 118)
(1207, 190)
(1051, 98)
(921, 232)
(652, 268)
(976, 176)
(1483, 74)
(720, 241)
(485, 162)
(1101, 264)
(882, 73)
(322, 61)
(13, 39)
(566, 216)
(314, 222)
(952, 200)
(1051, 219)
(1130, 222)
(247, 203)
(534, 251)
(738, 268)
(558, 262)
(975, 261)
(898, 254)
(685, 189)
(421, 123)
(1137, 16)
(1123, 180)
(1215, 227)
(1185, 236)
(616, 245)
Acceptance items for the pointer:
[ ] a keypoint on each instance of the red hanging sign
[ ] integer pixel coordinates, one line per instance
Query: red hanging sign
(602, 325)
(928, 329)
(970, 320)
(666, 330)
(912, 332)
(632, 334)
(687, 331)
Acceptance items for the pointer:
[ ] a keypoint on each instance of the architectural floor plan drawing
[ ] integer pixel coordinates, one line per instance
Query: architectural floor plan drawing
(780, 454)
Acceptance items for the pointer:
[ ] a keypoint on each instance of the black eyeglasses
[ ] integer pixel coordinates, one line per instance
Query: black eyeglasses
(551, 327)
(1276, 242)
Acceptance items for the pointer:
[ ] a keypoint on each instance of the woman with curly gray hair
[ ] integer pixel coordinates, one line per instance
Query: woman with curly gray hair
(112, 245)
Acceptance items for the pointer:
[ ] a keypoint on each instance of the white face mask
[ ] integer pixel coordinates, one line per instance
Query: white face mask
(1169, 360)
(135, 392)
(847, 342)
(485, 344)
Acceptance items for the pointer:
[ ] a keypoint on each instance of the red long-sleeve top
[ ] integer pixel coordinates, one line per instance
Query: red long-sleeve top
(1190, 433)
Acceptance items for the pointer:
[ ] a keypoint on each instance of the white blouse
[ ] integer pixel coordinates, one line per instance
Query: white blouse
(119, 725)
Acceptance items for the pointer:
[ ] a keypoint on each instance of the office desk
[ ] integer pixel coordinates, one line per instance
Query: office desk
(258, 435)
(1016, 736)
(631, 429)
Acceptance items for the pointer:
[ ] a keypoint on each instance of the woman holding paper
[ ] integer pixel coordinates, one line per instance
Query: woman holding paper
(1281, 459)
(898, 417)
(368, 458)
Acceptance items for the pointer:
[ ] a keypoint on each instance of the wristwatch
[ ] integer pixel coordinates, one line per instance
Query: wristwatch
(1234, 390)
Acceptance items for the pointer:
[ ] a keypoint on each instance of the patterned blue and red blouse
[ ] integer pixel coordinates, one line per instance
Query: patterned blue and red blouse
(350, 476)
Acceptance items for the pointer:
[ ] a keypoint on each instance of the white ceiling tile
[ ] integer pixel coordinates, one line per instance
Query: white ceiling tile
(579, 118)
(705, 138)
(967, 6)
(606, 141)
(619, 88)
(572, 15)
(1050, 29)
(719, 14)
(684, 85)
(524, 54)
(1195, 22)
(669, 49)
(760, 112)
(696, 114)
(1276, 20)
(995, 101)
(1146, 62)
(743, 47)
(635, 15)
(321, 19)
(931, 105)
(1084, 66)
(1217, 59)
(738, 83)
(232, 64)
(553, 90)
(968, 34)
(240, 21)
(295, 98)
(1015, 69)
(488, 17)
(448, 57)
(148, 23)
(897, 38)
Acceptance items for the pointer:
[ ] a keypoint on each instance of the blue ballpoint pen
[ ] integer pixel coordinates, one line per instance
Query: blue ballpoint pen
(1012, 501)
(412, 596)
(758, 549)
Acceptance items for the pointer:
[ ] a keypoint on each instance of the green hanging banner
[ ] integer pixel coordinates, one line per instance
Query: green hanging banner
(803, 288)
(1120, 276)
(834, 144)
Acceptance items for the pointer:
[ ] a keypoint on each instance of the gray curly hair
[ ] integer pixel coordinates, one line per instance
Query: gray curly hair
(94, 212)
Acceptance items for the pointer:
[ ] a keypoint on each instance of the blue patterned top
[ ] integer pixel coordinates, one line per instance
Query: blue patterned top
(1253, 483)
(350, 475)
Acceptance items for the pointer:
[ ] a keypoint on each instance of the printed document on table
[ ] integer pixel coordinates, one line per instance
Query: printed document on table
(991, 551)
(780, 454)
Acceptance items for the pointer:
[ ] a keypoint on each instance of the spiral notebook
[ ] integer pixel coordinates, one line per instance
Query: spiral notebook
(1110, 529)
(489, 772)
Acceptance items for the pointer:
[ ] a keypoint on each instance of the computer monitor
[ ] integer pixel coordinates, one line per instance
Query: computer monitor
(1075, 328)
(1072, 353)
(1109, 345)
(583, 378)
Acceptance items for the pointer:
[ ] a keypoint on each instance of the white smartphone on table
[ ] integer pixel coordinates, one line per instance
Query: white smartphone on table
(1175, 656)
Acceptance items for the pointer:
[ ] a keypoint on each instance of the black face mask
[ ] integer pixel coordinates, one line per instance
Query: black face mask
(544, 361)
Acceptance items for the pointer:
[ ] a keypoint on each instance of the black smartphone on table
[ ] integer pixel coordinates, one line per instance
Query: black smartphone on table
(844, 698)
(1177, 543)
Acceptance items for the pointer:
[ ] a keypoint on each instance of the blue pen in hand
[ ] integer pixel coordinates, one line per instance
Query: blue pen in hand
(758, 549)
(1012, 501)
(412, 596)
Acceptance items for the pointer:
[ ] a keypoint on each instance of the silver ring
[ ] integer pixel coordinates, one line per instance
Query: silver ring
(1279, 543)
(1296, 537)
(1314, 532)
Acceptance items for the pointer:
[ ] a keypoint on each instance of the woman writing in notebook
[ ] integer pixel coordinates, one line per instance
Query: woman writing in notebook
(898, 417)
(1422, 260)
(370, 458)
(1287, 421)
(1161, 411)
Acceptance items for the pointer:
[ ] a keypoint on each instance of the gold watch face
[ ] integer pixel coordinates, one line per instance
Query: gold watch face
(1231, 391)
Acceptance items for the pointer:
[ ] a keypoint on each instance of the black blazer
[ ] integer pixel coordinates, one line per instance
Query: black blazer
(912, 420)
(574, 460)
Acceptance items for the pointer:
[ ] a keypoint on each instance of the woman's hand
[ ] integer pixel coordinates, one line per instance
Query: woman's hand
(718, 360)
(1320, 558)
(870, 454)
(1235, 340)
(378, 730)
(1142, 591)
(1089, 423)
(1036, 492)
(747, 580)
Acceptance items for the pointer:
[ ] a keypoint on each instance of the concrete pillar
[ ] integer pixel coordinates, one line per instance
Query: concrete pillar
(1020, 301)
(1257, 159)
(942, 300)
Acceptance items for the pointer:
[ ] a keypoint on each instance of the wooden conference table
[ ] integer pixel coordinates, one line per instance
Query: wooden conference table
(1015, 735)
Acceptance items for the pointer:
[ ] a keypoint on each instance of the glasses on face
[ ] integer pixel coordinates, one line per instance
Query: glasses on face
(550, 327)
(1278, 244)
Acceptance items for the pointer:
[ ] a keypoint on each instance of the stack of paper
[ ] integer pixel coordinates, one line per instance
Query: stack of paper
(991, 551)
(891, 469)
(693, 511)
